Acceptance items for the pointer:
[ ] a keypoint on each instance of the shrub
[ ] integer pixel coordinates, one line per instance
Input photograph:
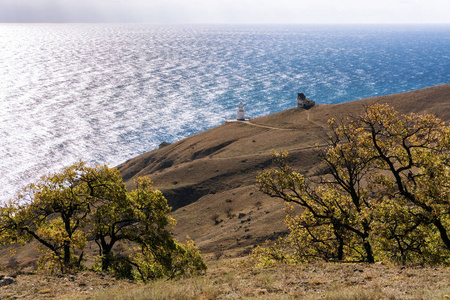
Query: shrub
(215, 218)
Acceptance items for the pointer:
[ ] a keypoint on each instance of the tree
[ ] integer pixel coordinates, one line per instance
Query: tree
(387, 187)
(412, 154)
(140, 217)
(53, 211)
(334, 224)
(65, 210)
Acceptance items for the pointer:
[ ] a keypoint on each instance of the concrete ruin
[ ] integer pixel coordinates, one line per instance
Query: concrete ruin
(304, 102)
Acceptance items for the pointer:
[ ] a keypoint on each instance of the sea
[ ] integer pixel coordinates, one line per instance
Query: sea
(104, 93)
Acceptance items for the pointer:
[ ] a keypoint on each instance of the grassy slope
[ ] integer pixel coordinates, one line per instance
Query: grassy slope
(203, 173)
(224, 281)
(214, 172)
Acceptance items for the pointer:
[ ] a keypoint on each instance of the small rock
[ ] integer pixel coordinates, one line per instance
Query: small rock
(7, 281)
(232, 296)
(246, 220)
(260, 292)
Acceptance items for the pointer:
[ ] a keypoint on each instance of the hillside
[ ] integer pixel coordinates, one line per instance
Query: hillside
(209, 179)
(211, 175)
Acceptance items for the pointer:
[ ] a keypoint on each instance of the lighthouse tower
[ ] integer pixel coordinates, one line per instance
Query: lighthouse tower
(240, 112)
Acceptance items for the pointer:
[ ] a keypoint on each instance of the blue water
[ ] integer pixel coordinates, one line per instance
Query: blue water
(105, 93)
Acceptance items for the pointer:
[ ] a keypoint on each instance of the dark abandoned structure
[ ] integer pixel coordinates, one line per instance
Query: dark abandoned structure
(304, 102)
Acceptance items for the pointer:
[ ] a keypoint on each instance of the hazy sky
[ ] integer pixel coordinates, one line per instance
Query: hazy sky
(227, 11)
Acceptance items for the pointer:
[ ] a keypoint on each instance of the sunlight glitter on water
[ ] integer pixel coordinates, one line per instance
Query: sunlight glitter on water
(105, 93)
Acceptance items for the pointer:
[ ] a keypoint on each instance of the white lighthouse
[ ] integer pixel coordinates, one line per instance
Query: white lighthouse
(240, 115)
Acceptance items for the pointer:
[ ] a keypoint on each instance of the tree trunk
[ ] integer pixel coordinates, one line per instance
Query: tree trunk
(106, 261)
(369, 253)
(66, 255)
(340, 253)
(106, 249)
(443, 233)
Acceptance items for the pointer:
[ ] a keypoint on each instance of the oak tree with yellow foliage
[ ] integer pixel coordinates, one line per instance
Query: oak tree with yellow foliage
(62, 211)
(385, 194)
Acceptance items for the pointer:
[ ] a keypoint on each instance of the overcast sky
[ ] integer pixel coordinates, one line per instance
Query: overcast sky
(226, 11)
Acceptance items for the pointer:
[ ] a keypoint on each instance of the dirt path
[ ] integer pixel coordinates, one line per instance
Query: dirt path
(277, 128)
(314, 122)
(268, 127)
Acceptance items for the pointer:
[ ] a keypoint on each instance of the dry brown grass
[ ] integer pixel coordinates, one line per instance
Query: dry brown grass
(215, 170)
(214, 173)
(309, 281)
(225, 281)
